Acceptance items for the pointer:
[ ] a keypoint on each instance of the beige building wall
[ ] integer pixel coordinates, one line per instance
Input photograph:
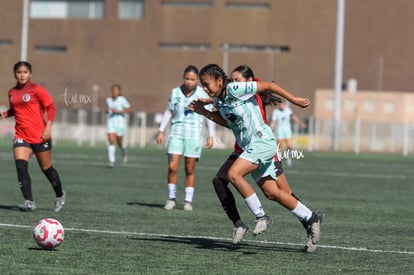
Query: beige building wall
(131, 52)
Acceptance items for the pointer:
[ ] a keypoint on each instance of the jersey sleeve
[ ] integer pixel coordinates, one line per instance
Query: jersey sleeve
(44, 97)
(125, 103)
(242, 90)
(290, 112)
(171, 102)
(274, 115)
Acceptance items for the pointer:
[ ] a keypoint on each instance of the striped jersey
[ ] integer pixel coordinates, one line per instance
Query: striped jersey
(185, 123)
(282, 118)
(119, 103)
(242, 113)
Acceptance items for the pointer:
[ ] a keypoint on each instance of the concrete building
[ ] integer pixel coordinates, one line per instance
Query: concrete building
(82, 47)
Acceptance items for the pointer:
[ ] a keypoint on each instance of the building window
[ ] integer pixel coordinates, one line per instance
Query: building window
(60, 9)
(184, 46)
(131, 9)
(6, 42)
(247, 5)
(255, 48)
(187, 4)
(50, 49)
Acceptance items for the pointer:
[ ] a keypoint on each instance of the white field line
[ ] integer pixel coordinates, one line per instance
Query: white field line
(217, 238)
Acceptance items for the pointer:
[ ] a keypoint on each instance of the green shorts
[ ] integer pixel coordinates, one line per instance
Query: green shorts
(284, 133)
(116, 125)
(262, 153)
(190, 148)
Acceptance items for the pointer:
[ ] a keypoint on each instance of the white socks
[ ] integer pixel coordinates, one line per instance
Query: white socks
(172, 192)
(189, 194)
(255, 206)
(302, 212)
(111, 152)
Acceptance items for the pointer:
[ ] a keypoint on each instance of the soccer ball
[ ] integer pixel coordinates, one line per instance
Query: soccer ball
(48, 233)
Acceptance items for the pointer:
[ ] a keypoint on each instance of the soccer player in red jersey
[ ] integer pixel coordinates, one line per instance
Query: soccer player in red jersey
(28, 104)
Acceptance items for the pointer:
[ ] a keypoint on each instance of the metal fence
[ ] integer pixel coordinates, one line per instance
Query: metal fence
(88, 128)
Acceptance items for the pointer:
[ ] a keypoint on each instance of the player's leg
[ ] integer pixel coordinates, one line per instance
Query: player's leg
(192, 149)
(173, 163)
(189, 168)
(236, 174)
(44, 158)
(310, 220)
(175, 149)
(22, 152)
(111, 149)
(282, 181)
(227, 200)
(120, 143)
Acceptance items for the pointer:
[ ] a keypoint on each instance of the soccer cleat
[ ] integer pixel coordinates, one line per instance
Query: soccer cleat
(239, 233)
(170, 205)
(188, 206)
(27, 206)
(111, 164)
(59, 203)
(124, 156)
(262, 224)
(313, 231)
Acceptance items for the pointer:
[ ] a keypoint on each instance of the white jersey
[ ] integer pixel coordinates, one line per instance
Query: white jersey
(120, 103)
(282, 118)
(242, 113)
(185, 123)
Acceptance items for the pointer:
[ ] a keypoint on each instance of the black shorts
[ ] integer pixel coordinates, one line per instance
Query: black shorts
(278, 168)
(36, 147)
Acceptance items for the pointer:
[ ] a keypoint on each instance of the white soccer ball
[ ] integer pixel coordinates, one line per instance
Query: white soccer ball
(48, 233)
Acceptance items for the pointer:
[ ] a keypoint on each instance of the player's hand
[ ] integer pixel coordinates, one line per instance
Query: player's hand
(47, 134)
(209, 143)
(160, 138)
(301, 102)
(198, 106)
(3, 115)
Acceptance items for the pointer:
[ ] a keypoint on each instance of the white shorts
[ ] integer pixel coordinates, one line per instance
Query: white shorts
(116, 125)
(284, 133)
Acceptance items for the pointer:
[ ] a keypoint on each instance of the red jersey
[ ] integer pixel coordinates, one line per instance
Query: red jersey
(27, 104)
(237, 148)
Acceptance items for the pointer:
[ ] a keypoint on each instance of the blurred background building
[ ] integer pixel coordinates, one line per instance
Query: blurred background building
(78, 48)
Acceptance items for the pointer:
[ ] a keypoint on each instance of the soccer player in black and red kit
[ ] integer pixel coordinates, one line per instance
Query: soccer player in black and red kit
(28, 104)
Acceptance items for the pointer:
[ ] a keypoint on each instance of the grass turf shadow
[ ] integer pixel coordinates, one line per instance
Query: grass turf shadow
(154, 205)
(212, 244)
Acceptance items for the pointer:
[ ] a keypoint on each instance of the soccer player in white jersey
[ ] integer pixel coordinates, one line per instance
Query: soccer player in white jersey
(117, 106)
(186, 136)
(281, 124)
(238, 107)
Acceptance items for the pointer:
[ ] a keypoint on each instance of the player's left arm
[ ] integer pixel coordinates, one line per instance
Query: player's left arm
(263, 86)
(298, 121)
(127, 107)
(50, 109)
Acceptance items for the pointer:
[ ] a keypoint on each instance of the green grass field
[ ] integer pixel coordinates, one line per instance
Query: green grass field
(115, 223)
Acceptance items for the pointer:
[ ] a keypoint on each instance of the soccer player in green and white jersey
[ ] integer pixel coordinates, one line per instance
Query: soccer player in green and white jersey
(117, 106)
(186, 135)
(238, 107)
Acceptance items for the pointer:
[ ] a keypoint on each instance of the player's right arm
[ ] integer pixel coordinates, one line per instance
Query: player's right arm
(198, 107)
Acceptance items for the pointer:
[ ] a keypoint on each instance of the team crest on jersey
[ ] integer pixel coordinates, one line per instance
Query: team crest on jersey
(26, 97)
(234, 87)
